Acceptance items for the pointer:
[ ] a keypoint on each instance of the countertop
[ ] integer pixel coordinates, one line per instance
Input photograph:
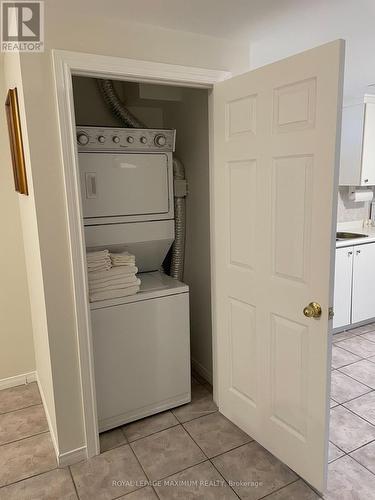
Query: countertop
(355, 227)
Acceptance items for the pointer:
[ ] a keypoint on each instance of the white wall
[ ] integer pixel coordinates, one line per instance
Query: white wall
(17, 349)
(31, 241)
(66, 29)
(190, 118)
(310, 24)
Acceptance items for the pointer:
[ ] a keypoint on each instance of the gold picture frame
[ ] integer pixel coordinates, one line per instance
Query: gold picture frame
(16, 144)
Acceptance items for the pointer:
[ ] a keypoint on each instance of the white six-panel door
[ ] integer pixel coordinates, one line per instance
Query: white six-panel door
(274, 173)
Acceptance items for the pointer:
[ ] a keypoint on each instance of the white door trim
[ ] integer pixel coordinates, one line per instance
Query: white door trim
(66, 64)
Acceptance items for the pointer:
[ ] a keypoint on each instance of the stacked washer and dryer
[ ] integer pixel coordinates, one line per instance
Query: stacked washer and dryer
(141, 342)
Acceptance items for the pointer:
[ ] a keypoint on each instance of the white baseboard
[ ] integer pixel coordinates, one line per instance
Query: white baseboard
(201, 370)
(22, 379)
(63, 459)
(50, 427)
(72, 457)
(69, 457)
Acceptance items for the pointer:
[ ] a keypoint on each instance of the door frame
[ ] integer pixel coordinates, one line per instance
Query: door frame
(65, 65)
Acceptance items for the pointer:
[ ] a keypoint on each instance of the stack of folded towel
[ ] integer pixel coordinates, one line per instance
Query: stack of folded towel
(122, 259)
(119, 280)
(98, 261)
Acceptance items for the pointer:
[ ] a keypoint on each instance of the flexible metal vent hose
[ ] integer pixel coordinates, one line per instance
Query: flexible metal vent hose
(178, 249)
(117, 107)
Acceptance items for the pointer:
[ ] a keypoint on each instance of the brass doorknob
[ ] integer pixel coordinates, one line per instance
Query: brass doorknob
(313, 310)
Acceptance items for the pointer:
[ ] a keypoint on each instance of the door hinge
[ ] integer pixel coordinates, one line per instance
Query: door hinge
(331, 313)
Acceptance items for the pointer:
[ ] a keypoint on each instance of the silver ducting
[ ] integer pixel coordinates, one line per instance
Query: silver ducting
(117, 107)
(178, 249)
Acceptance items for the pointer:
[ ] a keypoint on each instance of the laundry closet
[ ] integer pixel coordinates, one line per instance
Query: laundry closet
(144, 178)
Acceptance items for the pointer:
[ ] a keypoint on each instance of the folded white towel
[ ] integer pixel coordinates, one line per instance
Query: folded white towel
(114, 272)
(97, 256)
(113, 294)
(96, 269)
(122, 255)
(98, 253)
(123, 280)
(122, 258)
(114, 286)
(98, 259)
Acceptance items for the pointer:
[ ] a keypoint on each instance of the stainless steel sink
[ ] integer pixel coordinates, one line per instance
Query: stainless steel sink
(340, 236)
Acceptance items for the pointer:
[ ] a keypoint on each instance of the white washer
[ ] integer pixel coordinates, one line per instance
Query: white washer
(142, 351)
(141, 343)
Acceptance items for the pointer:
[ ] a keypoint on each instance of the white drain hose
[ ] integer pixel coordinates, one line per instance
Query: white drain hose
(178, 249)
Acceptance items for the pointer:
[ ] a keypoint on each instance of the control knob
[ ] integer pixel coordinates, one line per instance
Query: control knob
(116, 139)
(130, 139)
(101, 139)
(82, 138)
(143, 139)
(160, 140)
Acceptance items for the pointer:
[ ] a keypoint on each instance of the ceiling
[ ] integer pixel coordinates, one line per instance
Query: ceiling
(230, 19)
(272, 29)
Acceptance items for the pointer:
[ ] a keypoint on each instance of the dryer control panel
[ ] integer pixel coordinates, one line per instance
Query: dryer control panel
(125, 139)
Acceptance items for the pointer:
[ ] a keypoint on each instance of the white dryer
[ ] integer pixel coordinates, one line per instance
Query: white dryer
(141, 343)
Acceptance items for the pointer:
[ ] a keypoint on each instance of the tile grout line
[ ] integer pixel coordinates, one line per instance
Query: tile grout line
(366, 333)
(168, 475)
(28, 477)
(355, 414)
(222, 453)
(152, 433)
(281, 488)
(350, 400)
(144, 472)
(208, 412)
(358, 462)
(221, 475)
(209, 459)
(338, 369)
(19, 409)
(74, 484)
(354, 399)
(25, 437)
(351, 352)
(360, 447)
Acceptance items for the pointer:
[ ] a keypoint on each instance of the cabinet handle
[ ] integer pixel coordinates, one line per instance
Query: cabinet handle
(366, 180)
(358, 251)
(350, 253)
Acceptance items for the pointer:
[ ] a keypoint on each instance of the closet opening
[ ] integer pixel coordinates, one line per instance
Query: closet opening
(143, 158)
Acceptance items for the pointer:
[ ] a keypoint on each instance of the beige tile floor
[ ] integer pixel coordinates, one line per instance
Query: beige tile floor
(193, 451)
(352, 427)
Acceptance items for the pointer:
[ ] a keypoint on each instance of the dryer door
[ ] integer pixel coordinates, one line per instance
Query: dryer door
(126, 187)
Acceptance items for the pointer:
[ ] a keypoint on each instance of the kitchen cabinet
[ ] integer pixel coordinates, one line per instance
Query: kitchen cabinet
(363, 296)
(343, 287)
(357, 158)
(354, 297)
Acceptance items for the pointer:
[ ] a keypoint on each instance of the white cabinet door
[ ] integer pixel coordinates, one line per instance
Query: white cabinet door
(353, 117)
(357, 161)
(363, 305)
(343, 287)
(368, 152)
(273, 182)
